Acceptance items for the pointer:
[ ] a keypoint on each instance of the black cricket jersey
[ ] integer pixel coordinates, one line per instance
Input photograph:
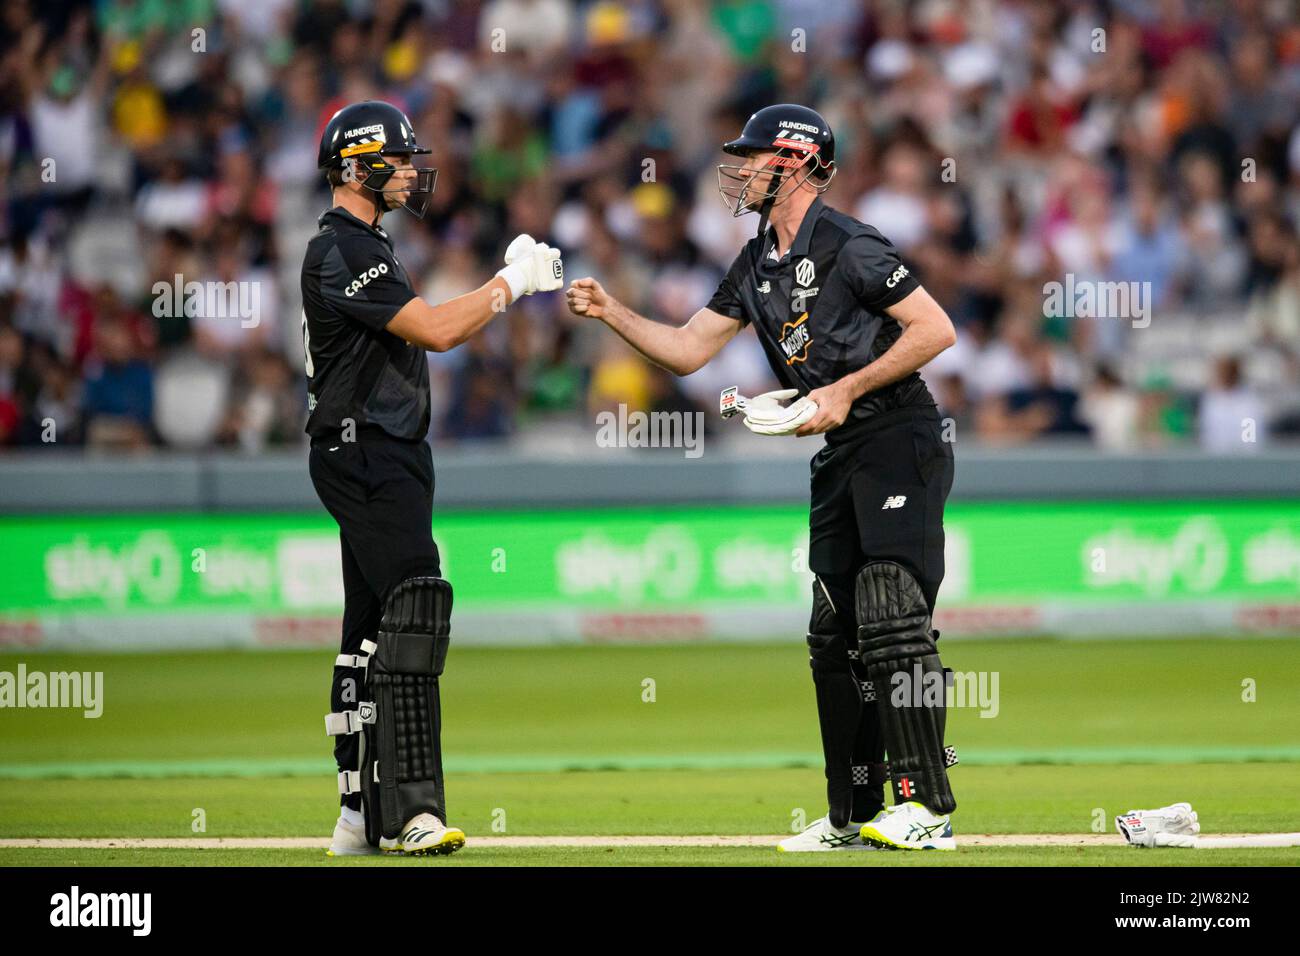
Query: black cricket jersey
(352, 286)
(820, 310)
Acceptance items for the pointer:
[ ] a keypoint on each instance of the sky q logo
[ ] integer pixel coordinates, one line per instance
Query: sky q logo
(1195, 557)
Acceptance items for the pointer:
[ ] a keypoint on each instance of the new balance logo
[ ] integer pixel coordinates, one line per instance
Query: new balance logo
(894, 501)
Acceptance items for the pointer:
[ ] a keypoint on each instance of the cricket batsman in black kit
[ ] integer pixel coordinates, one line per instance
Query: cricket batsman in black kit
(365, 333)
(846, 326)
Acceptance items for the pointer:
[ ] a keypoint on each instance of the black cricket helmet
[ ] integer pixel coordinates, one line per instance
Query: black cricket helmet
(358, 137)
(805, 148)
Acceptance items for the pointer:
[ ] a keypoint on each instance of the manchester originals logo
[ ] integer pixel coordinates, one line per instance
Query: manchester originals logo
(799, 301)
(795, 339)
(804, 272)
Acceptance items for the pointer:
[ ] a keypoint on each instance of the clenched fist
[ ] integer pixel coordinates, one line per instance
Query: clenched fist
(586, 297)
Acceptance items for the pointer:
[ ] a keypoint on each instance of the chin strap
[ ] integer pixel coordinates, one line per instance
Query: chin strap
(377, 199)
(764, 211)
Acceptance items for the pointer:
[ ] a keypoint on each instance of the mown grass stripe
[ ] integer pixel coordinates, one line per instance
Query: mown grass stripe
(556, 763)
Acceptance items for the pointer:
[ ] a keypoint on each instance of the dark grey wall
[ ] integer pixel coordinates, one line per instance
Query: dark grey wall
(71, 482)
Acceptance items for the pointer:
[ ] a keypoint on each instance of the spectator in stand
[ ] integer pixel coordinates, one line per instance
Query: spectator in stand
(118, 409)
(1039, 409)
(11, 362)
(1111, 411)
(1233, 419)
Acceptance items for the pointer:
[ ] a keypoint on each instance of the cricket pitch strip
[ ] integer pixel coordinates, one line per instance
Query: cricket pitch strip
(1216, 841)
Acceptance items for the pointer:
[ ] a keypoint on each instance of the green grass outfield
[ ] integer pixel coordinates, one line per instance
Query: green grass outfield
(562, 741)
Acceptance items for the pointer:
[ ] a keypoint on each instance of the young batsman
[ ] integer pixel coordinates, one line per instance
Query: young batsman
(365, 333)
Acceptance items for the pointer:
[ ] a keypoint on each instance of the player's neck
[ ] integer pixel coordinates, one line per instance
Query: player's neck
(359, 205)
(787, 217)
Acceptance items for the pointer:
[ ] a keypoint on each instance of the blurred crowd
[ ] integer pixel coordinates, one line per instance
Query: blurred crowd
(1003, 145)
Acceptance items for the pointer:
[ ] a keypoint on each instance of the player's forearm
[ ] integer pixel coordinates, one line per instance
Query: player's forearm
(919, 343)
(450, 323)
(668, 346)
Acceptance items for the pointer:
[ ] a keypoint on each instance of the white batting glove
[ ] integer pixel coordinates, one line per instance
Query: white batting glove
(532, 266)
(1174, 825)
(550, 268)
(519, 247)
(764, 414)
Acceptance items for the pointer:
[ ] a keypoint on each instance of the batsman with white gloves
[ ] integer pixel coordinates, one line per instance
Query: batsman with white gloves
(364, 335)
(845, 327)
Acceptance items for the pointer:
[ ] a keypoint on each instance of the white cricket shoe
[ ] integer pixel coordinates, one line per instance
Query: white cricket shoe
(910, 826)
(425, 835)
(822, 835)
(350, 840)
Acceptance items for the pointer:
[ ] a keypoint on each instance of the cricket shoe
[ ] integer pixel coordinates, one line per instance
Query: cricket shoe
(822, 835)
(910, 826)
(425, 835)
(350, 840)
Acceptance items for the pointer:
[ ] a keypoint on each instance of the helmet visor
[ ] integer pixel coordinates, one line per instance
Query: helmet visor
(412, 195)
(746, 188)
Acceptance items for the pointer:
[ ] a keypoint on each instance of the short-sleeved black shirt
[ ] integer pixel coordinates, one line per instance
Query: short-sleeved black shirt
(819, 311)
(352, 286)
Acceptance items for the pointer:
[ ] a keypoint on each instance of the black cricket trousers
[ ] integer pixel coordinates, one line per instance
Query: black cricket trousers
(880, 497)
(380, 491)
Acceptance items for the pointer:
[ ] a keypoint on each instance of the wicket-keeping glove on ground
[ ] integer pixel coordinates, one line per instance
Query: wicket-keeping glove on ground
(764, 414)
(1174, 825)
(532, 266)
